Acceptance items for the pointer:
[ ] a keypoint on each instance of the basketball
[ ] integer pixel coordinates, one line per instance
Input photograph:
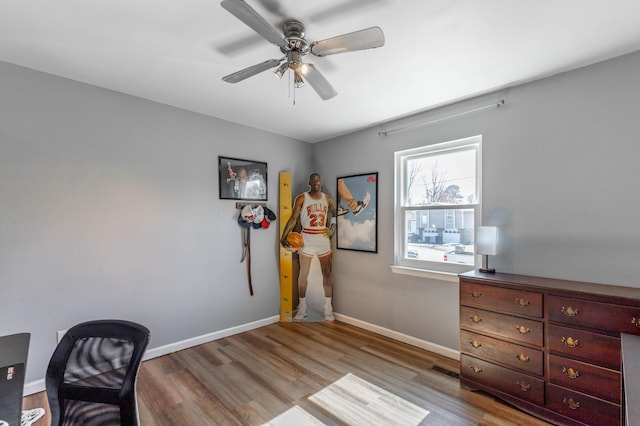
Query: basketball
(295, 239)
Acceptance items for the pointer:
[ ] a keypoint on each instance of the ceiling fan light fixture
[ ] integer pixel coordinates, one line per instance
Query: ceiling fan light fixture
(304, 69)
(281, 69)
(299, 82)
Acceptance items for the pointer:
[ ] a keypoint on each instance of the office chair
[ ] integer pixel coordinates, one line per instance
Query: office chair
(91, 378)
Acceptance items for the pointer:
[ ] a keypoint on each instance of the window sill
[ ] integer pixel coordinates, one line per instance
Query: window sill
(425, 273)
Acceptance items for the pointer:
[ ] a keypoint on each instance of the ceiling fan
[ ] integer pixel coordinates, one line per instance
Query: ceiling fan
(294, 46)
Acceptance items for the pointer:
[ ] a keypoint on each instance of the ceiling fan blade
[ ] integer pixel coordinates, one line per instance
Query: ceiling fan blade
(251, 71)
(358, 40)
(239, 45)
(241, 10)
(345, 7)
(273, 6)
(321, 85)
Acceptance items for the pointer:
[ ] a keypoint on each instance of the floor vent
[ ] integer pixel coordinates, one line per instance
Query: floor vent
(445, 371)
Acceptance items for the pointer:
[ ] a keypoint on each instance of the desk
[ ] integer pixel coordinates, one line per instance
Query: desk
(13, 363)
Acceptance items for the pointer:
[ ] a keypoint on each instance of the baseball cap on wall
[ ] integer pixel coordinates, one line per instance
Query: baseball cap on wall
(246, 216)
(243, 222)
(258, 216)
(247, 213)
(269, 216)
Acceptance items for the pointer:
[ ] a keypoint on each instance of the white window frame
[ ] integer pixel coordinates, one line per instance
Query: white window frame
(410, 266)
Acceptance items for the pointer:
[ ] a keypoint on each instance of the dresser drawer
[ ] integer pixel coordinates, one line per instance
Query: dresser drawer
(587, 378)
(519, 385)
(513, 329)
(581, 407)
(600, 316)
(585, 346)
(501, 299)
(509, 354)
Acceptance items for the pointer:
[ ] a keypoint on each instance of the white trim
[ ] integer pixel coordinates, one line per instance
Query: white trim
(39, 385)
(425, 273)
(206, 338)
(33, 387)
(404, 338)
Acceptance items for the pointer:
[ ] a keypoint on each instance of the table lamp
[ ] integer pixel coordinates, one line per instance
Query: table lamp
(487, 244)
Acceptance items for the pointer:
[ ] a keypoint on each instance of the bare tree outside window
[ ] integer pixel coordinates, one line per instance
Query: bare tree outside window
(436, 187)
(415, 170)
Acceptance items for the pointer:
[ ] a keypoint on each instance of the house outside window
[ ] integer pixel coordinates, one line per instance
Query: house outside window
(438, 205)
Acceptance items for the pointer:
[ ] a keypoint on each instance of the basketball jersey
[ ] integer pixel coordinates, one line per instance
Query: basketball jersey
(313, 216)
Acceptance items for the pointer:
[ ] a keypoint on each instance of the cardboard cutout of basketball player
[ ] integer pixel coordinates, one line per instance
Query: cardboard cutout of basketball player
(315, 210)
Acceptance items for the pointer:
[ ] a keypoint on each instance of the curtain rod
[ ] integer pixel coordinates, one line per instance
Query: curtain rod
(411, 126)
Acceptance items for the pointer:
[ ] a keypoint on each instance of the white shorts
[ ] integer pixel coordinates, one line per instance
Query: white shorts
(315, 244)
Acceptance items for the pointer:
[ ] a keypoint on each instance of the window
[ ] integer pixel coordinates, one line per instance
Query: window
(438, 205)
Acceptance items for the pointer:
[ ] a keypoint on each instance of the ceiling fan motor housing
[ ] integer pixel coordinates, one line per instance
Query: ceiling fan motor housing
(293, 28)
(294, 36)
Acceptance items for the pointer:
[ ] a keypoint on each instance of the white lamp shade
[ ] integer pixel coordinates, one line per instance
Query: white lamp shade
(487, 240)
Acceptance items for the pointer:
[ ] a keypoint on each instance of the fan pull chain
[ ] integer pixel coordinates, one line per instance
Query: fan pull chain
(292, 83)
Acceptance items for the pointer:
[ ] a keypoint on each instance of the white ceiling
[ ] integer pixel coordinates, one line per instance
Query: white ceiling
(436, 51)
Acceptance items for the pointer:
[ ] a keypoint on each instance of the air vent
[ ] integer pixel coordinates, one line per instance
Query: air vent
(445, 371)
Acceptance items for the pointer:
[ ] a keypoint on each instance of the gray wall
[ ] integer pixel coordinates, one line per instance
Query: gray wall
(560, 168)
(109, 209)
(109, 206)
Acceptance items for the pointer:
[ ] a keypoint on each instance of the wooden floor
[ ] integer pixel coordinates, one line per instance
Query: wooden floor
(253, 377)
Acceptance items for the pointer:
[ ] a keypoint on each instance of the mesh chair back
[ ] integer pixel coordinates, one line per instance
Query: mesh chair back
(91, 377)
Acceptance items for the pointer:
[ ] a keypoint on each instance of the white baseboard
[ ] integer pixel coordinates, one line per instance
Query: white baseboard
(423, 344)
(39, 385)
(206, 338)
(33, 387)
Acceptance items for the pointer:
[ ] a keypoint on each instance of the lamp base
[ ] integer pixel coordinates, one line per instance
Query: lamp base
(485, 265)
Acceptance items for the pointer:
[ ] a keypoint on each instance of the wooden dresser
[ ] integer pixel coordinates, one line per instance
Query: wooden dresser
(549, 347)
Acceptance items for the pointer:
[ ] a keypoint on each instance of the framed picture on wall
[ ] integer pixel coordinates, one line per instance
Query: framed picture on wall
(242, 179)
(356, 207)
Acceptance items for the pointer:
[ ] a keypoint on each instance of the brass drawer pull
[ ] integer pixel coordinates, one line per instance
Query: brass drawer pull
(522, 329)
(571, 373)
(524, 386)
(476, 319)
(475, 294)
(475, 343)
(523, 358)
(569, 311)
(522, 302)
(475, 369)
(635, 321)
(574, 405)
(570, 342)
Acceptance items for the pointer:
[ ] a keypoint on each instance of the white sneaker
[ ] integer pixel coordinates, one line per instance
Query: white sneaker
(342, 211)
(362, 204)
(328, 313)
(301, 314)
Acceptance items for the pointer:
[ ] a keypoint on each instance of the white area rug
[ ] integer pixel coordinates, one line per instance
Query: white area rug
(356, 402)
(294, 416)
